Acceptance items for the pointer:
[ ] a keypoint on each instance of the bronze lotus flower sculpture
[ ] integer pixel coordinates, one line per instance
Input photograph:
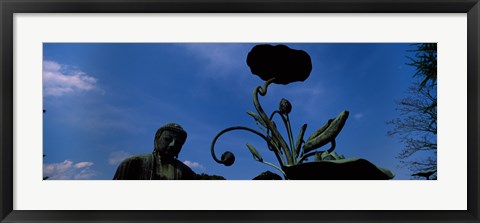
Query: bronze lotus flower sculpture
(281, 65)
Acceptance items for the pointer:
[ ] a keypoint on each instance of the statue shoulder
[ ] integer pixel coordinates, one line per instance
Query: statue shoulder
(133, 167)
(182, 165)
(188, 173)
(138, 158)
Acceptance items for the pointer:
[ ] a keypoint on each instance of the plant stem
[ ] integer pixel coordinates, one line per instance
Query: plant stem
(332, 147)
(275, 134)
(290, 137)
(246, 129)
(273, 165)
(286, 122)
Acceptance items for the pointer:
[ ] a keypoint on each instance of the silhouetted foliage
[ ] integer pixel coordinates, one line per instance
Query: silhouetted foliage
(425, 62)
(417, 124)
(204, 176)
(267, 175)
(425, 174)
(45, 177)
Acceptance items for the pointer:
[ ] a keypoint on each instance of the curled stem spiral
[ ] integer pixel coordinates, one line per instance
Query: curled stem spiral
(240, 128)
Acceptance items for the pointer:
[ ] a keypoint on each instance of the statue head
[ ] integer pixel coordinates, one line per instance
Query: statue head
(169, 140)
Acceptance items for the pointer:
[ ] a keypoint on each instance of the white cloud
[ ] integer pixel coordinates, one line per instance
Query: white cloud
(194, 165)
(358, 116)
(85, 174)
(58, 80)
(68, 170)
(117, 157)
(83, 164)
(51, 66)
(57, 167)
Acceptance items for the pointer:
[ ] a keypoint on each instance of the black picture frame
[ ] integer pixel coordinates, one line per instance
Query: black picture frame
(10, 7)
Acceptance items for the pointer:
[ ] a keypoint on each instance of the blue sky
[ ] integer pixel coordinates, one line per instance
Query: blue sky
(105, 101)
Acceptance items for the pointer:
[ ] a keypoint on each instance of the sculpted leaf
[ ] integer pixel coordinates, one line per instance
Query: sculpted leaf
(257, 118)
(326, 133)
(298, 144)
(255, 153)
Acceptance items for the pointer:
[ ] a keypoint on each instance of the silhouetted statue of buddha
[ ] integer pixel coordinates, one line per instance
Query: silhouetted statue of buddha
(162, 164)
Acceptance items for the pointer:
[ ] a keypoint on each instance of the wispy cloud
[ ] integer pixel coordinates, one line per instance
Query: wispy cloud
(305, 98)
(85, 174)
(117, 157)
(222, 64)
(220, 59)
(83, 164)
(97, 115)
(194, 165)
(358, 116)
(59, 80)
(68, 170)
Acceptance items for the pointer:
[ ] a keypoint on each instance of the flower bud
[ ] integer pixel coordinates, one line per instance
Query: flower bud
(227, 158)
(285, 106)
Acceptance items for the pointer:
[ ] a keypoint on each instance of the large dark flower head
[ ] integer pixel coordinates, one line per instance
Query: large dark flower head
(280, 62)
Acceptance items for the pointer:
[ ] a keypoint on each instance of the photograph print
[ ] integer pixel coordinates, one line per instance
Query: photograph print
(239, 111)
